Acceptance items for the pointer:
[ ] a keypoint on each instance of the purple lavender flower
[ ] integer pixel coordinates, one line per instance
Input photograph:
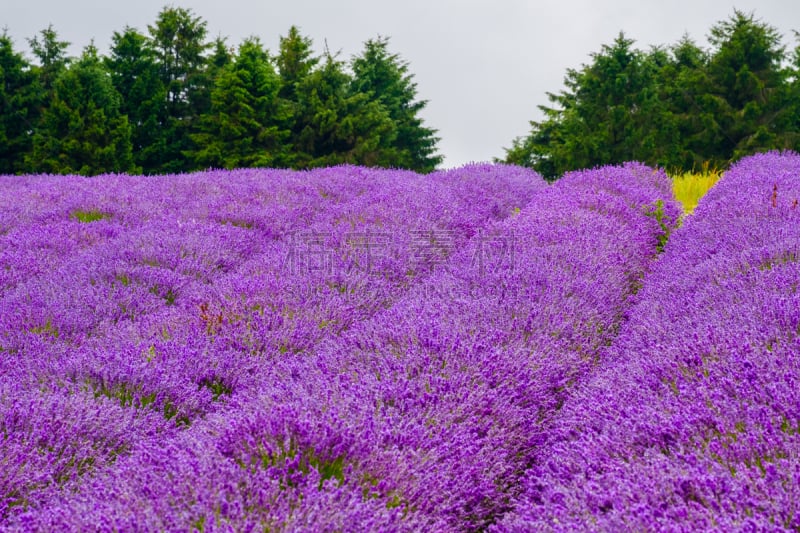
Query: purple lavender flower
(690, 421)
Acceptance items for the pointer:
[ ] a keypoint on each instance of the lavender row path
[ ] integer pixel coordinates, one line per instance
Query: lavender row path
(424, 415)
(693, 424)
(132, 307)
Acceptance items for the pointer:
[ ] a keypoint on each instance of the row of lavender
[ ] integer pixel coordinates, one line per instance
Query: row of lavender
(694, 421)
(133, 307)
(454, 386)
(422, 415)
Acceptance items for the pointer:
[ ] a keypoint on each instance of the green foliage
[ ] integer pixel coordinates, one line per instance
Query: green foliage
(168, 296)
(170, 101)
(82, 131)
(295, 62)
(204, 81)
(133, 396)
(246, 124)
(135, 74)
(602, 118)
(793, 114)
(297, 459)
(217, 387)
(48, 329)
(657, 212)
(335, 125)
(675, 107)
(680, 118)
(178, 38)
(89, 216)
(386, 79)
(20, 102)
(52, 56)
(750, 85)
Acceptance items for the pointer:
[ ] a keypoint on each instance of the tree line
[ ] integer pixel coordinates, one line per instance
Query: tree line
(679, 107)
(170, 100)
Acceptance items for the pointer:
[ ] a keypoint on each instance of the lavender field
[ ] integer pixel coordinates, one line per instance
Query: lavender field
(349, 349)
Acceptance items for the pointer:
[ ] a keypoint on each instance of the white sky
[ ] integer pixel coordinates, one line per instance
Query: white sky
(483, 66)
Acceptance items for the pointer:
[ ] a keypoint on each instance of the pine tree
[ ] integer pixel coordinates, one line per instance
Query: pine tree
(749, 86)
(20, 103)
(178, 37)
(333, 125)
(205, 81)
(793, 113)
(82, 130)
(52, 56)
(384, 77)
(683, 118)
(221, 55)
(295, 62)
(246, 124)
(603, 116)
(679, 107)
(135, 75)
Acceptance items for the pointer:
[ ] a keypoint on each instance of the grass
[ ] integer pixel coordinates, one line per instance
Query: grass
(657, 211)
(689, 187)
(89, 216)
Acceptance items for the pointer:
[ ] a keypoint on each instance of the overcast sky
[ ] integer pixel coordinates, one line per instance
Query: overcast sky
(483, 66)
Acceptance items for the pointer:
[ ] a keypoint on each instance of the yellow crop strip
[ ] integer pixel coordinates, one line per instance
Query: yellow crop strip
(689, 187)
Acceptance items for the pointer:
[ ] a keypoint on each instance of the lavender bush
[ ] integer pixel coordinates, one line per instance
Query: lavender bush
(692, 420)
(349, 349)
(133, 307)
(452, 386)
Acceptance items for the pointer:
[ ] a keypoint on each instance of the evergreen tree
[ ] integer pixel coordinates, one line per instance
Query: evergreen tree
(20, 101)
(295, 62)
(329, 123)
(748, 84)
(679, 107)
(384, 77)
(221, 55)
(52, 56)
(178, 37)
(206, 78)
(82, 130)
(244, 126)
(602, 118)
(793, 130)
(135, 75)
(333, 125)
(683, 119)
